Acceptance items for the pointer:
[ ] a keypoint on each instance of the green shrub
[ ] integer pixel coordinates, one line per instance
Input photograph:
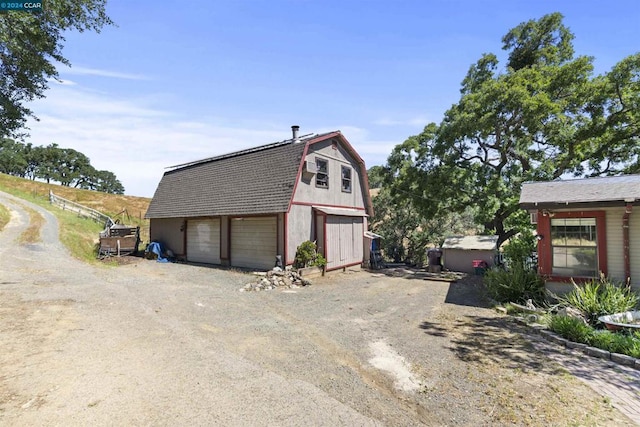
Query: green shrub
(621, 342)
(571, 328)
(625, 343)
(599, 297)
(320, 261)
(603, 339)
(518, 284)
(574, 329)
(632, 347)
(307, 256)
(519, 250)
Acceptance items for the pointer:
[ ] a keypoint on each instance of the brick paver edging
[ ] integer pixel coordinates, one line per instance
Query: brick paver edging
(621, 359)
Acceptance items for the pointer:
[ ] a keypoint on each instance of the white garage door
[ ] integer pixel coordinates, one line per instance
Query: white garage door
(254, 242)
(203, 241)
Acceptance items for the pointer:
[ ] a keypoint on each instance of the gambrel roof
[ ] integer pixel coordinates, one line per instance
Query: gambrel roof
(259, 180)
(602, 190)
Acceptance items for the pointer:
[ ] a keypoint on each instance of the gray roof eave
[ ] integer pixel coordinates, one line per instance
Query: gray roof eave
(576, 205)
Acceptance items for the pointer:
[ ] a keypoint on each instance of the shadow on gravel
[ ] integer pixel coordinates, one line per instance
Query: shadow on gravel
(468, 291)
(434, 329)
(404, 272)
(492, 340)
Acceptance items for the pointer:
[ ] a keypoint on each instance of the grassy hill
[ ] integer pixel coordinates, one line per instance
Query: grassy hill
(110, 204)
(128, 210)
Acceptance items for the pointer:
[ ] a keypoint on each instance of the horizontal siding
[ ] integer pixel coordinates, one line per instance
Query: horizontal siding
(615, 254)
(634, 233)
(615, 250)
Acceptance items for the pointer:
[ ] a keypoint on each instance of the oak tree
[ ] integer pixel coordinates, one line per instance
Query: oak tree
(543, 116)
(31, 43)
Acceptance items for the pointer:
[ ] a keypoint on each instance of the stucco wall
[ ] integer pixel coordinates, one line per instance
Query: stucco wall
(169, 231)
(336, 156)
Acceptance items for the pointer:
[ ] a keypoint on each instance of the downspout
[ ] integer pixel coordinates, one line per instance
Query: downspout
(626, 243)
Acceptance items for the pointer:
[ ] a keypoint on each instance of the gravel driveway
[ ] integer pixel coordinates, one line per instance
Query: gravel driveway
(173, 344)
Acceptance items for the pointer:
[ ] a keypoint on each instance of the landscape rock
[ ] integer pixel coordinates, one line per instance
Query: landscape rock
(572, 312)
(276, 278)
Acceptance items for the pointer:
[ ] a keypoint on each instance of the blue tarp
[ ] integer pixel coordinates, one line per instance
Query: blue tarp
(158, 249)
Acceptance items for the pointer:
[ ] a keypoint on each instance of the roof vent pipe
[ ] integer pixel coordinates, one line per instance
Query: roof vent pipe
(294, 130)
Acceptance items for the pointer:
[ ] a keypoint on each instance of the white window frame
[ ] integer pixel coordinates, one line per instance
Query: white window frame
(571, 250)
(344, 180)
(322, 174)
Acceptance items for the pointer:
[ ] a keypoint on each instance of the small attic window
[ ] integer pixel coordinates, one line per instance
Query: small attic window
(322, 174)
(346, 179)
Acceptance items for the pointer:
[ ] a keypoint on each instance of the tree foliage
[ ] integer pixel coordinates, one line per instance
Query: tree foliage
(376, 175)
(542, 117)
(52, 163)
(30, 44)
(406, 232)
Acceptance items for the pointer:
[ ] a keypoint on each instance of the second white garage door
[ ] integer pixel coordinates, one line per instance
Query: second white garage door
(203, 241)
(254, 242)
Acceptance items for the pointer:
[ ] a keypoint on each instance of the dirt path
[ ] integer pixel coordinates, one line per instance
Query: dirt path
(170, 344)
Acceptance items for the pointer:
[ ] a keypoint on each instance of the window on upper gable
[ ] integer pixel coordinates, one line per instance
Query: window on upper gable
(346, 179)
(322, 173)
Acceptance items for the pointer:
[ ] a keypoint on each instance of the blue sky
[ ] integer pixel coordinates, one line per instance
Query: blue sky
(181, 81)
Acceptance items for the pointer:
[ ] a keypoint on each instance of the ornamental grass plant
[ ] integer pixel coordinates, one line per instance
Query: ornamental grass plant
(571, 328)
(600, 297)
(517, 284)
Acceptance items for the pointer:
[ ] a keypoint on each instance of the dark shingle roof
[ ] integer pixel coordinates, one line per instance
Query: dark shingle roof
(254, 181)
(590, 190)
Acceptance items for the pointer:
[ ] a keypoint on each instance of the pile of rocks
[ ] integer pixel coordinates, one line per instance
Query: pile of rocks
(276, 278)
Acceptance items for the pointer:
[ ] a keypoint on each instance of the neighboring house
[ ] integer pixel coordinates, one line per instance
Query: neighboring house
(460, 253)
(245, 208)
(586, 227)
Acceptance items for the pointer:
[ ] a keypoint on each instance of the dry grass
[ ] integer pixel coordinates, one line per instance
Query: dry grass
(521, 385)
(128, 210)
(32, 233)
(5, 216)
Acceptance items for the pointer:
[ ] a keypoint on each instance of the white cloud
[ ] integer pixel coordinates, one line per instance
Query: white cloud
(63, 82)
(131, 138)
(84, 71)
(137, 140)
